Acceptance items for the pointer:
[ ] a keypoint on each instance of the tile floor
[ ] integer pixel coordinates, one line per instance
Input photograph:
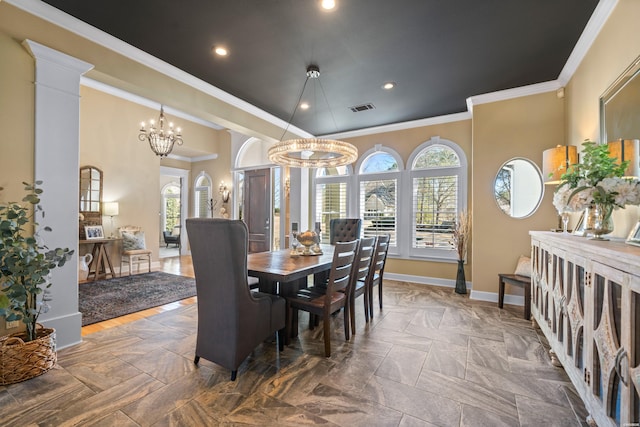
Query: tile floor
(430, 358)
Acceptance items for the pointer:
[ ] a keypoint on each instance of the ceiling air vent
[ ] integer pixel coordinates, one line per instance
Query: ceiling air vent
(363, 107)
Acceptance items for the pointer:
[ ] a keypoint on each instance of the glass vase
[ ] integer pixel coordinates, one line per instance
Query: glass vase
(601, 221)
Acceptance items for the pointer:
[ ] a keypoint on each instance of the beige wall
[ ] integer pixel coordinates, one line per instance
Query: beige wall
(405, 142)
(522, 127)
(16, 118)
(616, 47)
(131, 172)
(498, 131)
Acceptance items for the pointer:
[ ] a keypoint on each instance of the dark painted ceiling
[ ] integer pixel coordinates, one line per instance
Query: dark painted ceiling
(440, 52)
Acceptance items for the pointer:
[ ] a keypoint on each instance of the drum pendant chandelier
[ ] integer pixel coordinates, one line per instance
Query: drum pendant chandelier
(311, 152)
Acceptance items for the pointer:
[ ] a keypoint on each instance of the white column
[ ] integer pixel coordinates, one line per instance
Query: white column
(57, 148)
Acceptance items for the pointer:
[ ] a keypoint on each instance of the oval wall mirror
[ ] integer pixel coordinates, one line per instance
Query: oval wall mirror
(518, 187)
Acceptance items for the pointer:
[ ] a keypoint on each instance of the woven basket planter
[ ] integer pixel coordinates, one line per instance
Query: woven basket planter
(20, 361)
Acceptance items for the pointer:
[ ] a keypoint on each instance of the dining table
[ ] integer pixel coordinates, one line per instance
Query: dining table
(283, 273)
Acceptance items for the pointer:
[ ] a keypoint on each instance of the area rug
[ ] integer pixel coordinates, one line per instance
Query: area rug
(106, 299)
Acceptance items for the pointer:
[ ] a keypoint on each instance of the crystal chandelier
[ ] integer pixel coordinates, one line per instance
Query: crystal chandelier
(160, 140)
(311, 152)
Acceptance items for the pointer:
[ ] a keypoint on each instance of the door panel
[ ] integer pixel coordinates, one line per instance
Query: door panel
(257, 196)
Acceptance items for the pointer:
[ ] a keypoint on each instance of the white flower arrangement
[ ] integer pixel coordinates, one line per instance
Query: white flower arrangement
(598, 180)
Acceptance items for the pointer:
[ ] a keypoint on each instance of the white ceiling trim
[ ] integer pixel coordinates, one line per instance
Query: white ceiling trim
(516, 92)
(456, 117)
(591, 31)
(57, 17)
(136, 99)
(82, 29)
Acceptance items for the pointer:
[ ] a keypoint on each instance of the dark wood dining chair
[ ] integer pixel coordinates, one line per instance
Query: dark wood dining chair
(232, 320)
(361, 267)
(376, 271)
(336, 295)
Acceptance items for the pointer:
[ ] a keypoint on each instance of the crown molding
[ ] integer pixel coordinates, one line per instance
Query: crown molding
(193, 159)
(57, 17)
(516, 92)
(591, 30)
(136, 99)
(449, 118)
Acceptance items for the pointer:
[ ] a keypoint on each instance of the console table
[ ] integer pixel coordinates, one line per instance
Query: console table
(101, 264)
(586, 300)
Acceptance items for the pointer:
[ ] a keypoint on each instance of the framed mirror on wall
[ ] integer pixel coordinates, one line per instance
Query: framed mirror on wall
(89, 199)
(620, 107)
(518, 187)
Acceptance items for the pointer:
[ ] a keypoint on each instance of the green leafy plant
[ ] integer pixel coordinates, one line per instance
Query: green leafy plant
(25, 262)
(597, 179)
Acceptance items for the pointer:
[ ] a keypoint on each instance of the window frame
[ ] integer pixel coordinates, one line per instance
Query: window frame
(461, 172)
(395, 248)
(166, 196)
(196, 199)
(333, 179)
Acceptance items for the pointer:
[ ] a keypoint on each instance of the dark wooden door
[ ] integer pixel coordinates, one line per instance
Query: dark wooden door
(257, 201)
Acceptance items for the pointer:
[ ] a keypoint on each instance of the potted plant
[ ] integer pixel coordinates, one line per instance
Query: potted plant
(25, 266)
(596, 186)
(461, 235)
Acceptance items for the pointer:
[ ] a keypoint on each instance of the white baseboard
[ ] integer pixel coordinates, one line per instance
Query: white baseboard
(451, 283)
(422, 280)
(493, 297)
(67, 328)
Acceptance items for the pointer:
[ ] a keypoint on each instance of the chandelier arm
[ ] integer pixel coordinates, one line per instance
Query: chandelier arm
(335, 125)
(295, 108)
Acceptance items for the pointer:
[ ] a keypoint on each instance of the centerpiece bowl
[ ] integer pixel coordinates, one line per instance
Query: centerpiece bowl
(310, 240)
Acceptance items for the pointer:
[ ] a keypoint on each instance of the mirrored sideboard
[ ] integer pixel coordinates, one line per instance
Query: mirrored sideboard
(586, 300)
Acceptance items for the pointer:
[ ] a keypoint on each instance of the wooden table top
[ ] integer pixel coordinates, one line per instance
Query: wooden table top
(280, 266)
(103, 240)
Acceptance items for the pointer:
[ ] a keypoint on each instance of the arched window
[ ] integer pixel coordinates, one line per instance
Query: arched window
(170, 206)
(379, 174)
(331, 198)
(438, 180)
(202, 196)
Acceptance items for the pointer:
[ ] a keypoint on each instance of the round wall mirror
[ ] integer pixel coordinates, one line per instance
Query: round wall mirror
(518, 187)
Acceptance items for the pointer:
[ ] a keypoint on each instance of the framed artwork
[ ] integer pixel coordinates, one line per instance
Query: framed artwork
(94, 232)
(634, 236)
(579, 229)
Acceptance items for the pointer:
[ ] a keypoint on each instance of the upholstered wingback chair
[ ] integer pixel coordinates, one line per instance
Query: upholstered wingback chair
(232, 320)
(344, 229)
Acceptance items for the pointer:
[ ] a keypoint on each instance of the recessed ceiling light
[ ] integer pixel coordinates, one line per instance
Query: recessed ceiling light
(304, 106)
(389, 85)
(328, 4)
(220, 51)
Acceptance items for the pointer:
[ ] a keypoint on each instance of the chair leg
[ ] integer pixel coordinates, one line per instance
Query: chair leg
(347, 323)
(234, 374)
(366, 305)
(380, 292)
(352, 314)
(371, 302)
(196, 359)
(281, 334)
(287, 324)
(327, 335)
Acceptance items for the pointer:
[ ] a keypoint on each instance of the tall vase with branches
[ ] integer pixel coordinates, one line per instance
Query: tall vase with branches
(461, 236)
